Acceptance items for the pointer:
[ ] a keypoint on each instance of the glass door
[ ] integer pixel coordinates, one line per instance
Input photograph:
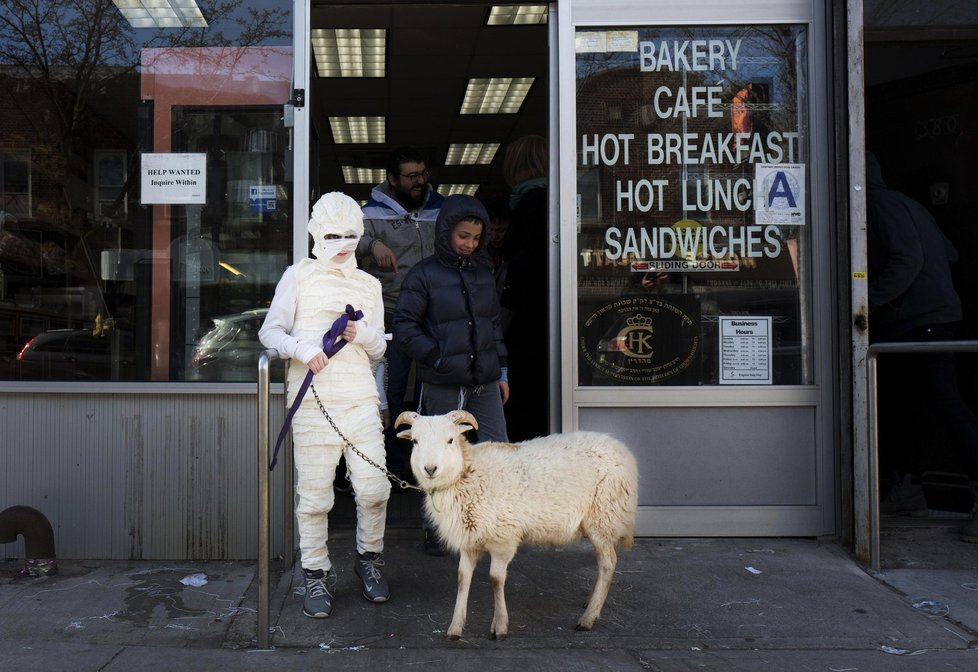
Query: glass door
(694, 251)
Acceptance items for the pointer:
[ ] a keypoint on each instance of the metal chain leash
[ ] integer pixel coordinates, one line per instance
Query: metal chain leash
(400, 481)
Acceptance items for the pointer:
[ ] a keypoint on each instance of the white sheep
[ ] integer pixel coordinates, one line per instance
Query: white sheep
(548, 491)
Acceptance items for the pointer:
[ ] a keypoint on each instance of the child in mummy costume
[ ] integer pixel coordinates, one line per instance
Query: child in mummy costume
(308, 298)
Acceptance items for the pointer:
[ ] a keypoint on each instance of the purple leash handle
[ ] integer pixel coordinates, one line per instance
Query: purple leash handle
(332, 343)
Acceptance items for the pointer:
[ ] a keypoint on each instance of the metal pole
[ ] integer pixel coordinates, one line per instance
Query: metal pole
(873, 471)
(264, 539)
(288, 491)
(874, 492)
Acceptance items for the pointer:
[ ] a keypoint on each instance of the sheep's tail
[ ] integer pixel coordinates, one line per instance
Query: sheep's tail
(627, 540)
(616, 501)
(625, 491)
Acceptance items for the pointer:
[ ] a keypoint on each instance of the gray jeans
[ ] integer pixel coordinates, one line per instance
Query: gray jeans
(483, 401)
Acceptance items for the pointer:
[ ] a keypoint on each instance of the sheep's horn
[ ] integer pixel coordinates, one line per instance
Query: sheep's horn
(406, 418)
(458, 417)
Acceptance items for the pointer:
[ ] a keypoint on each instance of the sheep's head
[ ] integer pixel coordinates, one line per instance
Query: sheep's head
(439, 455)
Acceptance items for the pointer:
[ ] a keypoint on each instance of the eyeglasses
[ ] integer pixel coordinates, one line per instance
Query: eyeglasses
(416, 177)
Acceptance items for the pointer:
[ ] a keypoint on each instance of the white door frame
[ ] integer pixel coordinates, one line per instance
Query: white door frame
(859, 286)
(302, 12)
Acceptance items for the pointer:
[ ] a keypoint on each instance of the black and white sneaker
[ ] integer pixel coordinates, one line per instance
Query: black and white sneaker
(317, 602)
(367, 567)
(343, 486)
(969, 532)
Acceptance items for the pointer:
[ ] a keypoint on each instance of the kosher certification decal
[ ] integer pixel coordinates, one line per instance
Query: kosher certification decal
(640, 341)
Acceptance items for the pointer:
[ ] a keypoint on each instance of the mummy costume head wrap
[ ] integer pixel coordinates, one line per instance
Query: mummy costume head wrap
(339, 215)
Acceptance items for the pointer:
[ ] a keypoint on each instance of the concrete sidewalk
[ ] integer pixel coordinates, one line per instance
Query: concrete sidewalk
(675, 604)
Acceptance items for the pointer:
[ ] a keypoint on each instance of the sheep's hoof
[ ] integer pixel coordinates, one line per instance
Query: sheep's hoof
(582, 626)
(497, 635)
(454, 638)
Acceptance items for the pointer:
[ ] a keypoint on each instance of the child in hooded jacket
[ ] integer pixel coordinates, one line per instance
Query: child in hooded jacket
(447, 320)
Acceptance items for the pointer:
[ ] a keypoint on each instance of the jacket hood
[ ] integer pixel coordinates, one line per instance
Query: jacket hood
(874, 174)
(383, 205)
(453, 209)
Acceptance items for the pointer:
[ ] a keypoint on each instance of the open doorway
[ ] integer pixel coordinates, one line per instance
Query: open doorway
(423, 63)
(431, 53)
(921, 90)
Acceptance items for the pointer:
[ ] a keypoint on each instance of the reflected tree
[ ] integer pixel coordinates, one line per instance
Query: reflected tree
(62, 62)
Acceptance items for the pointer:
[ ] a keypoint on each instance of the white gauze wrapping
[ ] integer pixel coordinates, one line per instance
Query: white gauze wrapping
(337, 214)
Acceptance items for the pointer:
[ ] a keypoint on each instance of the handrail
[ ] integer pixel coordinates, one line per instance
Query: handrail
(264, 537)
(872, 354)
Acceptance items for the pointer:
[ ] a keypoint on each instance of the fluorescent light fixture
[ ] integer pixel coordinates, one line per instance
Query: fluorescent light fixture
(358, 130)
(473, 153)
(496, 95)
(162, 13)
(509, 15)
(350, 52)
(354, 175)
(450, 189)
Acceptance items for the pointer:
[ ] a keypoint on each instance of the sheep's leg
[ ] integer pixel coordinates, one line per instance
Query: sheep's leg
(607, 559)
(501, 558)
(467, 561)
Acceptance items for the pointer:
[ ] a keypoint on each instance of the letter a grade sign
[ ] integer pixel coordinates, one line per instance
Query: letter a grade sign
(780, 197)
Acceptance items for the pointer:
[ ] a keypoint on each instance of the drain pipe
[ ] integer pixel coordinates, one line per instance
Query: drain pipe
(38, 538)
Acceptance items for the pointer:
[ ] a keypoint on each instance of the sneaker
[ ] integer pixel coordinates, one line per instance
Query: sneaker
(343, 486)
(367, 567)
(317, 602)
(969, 532)
(433, 545)
(904, 497)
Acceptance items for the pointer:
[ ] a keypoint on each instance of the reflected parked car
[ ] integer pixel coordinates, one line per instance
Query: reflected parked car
(75, 354)
(229, 350)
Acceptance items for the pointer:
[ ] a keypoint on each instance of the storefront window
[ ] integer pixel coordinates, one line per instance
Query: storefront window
(146, 186)
(693, 213)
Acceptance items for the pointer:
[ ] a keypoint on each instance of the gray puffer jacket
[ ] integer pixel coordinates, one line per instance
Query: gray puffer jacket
(410, 235)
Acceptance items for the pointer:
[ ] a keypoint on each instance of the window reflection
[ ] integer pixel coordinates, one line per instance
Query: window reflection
(227, 255)
(96, 282)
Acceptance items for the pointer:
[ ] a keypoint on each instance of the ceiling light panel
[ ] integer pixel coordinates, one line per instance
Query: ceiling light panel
(354, 175)
(495, 95)
(162, 13)
(350, 52)
(473, 153)
(452, 189)
(358, 130)
(509, 15)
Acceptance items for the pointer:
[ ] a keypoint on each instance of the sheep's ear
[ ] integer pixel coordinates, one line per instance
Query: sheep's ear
(460, 417)
(405, 434)
(406, 418)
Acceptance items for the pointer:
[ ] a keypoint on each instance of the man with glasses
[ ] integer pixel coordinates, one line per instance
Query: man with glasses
(399, 231)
